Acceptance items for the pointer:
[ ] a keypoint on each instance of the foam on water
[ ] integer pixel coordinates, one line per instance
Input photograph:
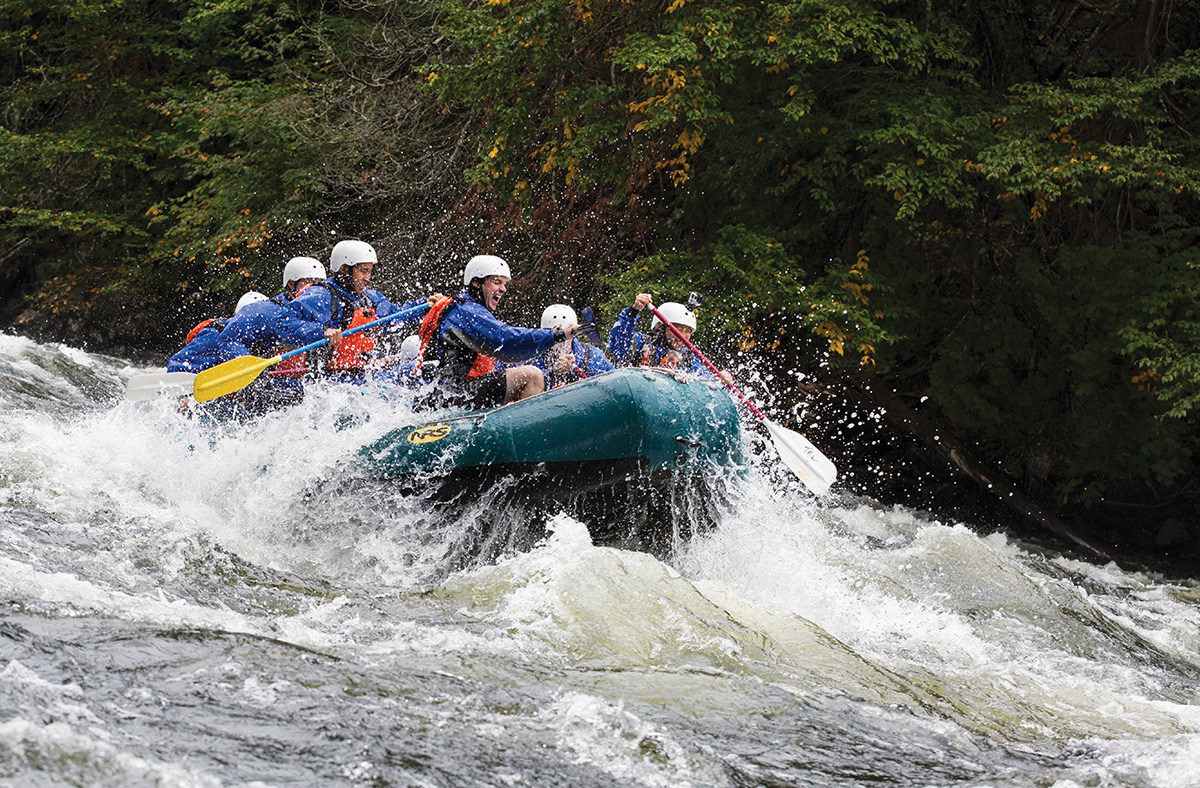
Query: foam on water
(869, 618)
(53, 732)
(605, 734)
(1035, 650)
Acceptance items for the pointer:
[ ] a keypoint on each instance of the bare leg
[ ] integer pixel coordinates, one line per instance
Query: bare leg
(523, 382)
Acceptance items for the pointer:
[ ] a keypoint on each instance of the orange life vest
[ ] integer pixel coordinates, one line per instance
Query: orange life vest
(294, 367)
(351, 353)
(671, 359)
(430, 331)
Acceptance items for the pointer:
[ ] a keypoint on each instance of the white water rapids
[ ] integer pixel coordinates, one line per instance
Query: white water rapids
(191, 605)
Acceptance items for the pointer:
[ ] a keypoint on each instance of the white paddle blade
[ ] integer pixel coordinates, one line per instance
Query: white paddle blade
(156, 384)
(802, 458)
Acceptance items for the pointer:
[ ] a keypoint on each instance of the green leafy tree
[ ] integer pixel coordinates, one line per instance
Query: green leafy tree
(187, 148)
(748, 127)
(989, 202)
(991, 206)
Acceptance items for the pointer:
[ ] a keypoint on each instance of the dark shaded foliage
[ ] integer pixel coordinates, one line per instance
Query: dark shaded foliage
(992, 205)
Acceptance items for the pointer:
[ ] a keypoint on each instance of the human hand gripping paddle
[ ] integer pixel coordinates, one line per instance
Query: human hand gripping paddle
(797, 453)
(236, 374)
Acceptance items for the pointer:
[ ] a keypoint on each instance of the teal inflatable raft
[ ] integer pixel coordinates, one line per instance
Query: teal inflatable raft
(642, 456)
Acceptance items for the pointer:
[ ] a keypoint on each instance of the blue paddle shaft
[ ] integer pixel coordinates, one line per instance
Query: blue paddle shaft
(325, 341)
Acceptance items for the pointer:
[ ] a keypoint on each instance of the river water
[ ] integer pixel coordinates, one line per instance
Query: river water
(180, 608)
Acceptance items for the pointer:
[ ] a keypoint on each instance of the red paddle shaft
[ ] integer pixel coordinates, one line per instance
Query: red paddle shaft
(707, 363)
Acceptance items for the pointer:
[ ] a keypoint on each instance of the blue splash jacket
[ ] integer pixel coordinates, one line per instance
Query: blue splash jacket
(626, 346)
(258, 329)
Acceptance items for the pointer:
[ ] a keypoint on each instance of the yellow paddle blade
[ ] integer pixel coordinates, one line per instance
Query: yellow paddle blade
(233, 375)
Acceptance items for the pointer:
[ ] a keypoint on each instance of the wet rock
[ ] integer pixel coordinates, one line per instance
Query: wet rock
(87, 312)
(1175, 532)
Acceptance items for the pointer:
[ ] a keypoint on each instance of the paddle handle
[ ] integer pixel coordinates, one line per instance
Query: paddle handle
(325, 340)
(707, 363)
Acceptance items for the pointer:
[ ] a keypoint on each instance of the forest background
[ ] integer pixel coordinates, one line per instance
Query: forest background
(977, 220)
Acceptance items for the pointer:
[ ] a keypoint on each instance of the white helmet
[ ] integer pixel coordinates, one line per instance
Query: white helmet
(558, 315)
(409, 348)
(351, 253)
(481, 266)
(678, 314)
(302, 268)
(252, 297)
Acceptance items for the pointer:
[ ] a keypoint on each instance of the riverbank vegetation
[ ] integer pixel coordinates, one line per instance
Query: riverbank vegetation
(987, 211)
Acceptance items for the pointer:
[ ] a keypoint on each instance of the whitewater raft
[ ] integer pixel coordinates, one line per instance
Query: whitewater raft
(643, 456)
